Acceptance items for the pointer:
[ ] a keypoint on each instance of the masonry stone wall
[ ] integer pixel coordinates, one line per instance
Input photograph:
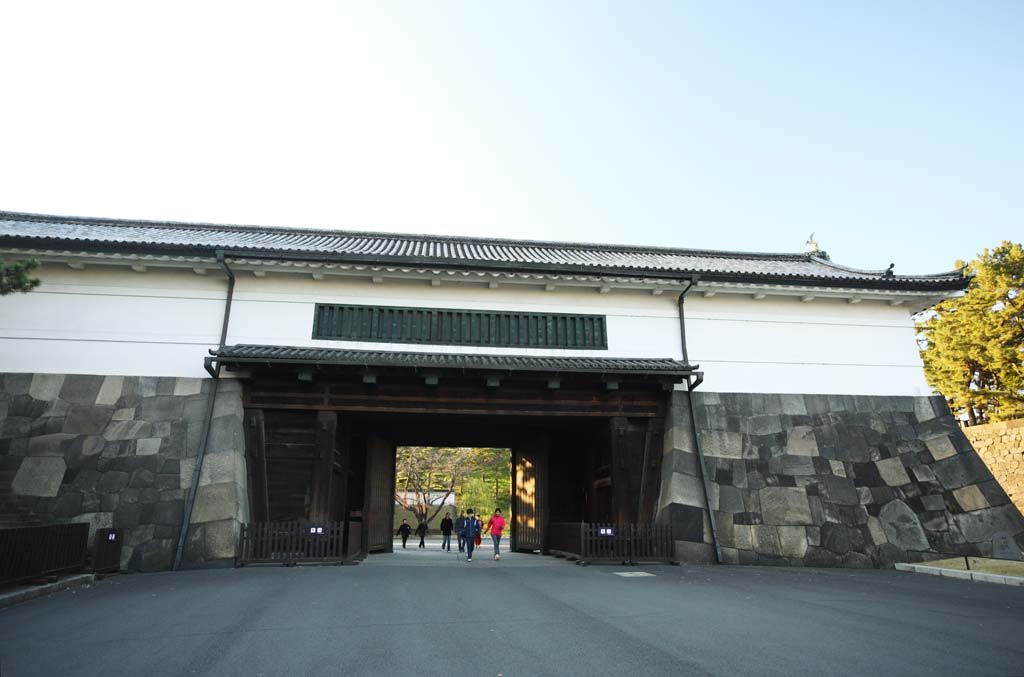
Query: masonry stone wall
(120, 451)
(1001, 446)
(830, 480)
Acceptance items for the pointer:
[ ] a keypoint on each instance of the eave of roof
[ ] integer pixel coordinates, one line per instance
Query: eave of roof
(108, 235)
(294, 355)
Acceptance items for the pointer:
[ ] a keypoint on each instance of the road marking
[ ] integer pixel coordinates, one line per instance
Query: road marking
(631, 574)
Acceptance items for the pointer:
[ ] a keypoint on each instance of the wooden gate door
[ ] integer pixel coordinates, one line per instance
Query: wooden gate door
(380, 494)
(530, 500)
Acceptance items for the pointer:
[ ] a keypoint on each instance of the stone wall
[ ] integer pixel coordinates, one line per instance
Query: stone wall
(821, 480)
(1001, 446)
(119, 451)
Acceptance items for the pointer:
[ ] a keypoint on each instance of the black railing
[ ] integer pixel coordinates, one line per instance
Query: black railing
(292, 543)
(28, 553)
(626, 543)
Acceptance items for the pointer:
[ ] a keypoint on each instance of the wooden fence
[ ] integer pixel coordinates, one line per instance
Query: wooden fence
(27, 553)
(292, 543)
(626, 543)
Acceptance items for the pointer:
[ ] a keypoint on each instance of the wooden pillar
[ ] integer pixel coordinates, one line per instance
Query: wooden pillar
(622, 511)
(320, 509)
(650, 478)
(256, 466)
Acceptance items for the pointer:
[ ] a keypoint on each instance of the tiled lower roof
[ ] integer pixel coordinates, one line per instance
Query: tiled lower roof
(262, 354)
(152, 237)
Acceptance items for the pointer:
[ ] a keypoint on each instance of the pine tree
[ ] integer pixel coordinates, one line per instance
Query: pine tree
(973, 346)
(15, 276)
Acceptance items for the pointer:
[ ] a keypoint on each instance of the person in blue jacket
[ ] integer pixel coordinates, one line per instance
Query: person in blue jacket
(471, 530)
(460, 526)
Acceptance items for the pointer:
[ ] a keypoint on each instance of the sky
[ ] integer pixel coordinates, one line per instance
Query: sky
(894, 131)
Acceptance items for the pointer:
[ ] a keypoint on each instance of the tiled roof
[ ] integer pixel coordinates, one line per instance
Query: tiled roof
(93, 234)
(260, 354)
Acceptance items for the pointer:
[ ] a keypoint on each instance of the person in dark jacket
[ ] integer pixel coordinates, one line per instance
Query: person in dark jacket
(470, 532)
(421, 531)
(446, 532)
(404, 531)
(460, 524)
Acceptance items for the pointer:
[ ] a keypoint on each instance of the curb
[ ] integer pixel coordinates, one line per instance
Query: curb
(976, 576)
(18, 596)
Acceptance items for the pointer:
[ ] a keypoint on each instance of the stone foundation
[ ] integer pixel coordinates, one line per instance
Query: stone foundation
(815, 480)
(1001, 446)
(119, 451)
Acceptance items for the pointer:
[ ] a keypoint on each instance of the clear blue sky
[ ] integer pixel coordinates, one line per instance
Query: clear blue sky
(891, 130)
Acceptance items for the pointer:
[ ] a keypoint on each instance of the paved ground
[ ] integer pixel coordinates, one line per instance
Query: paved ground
(430, 613)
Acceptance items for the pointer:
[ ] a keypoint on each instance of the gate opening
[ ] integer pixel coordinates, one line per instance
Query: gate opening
(431, 482)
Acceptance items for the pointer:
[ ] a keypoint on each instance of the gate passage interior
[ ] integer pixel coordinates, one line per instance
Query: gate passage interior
(585, 449)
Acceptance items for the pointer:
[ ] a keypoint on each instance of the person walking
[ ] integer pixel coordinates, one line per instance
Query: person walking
(446, 532)
(421, 531)
(404, 530)
(470, 532)
(496, 525)
(460, 524)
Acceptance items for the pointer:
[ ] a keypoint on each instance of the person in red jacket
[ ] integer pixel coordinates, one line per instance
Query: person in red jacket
(496, 525)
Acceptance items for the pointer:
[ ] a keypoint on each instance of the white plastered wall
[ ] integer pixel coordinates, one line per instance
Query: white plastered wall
(112, 320)
(785, 345)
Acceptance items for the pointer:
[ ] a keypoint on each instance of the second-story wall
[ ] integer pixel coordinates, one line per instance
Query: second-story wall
(162, 322)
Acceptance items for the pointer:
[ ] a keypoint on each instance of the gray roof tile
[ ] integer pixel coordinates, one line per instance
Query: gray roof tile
(36, 230)
(245, 354)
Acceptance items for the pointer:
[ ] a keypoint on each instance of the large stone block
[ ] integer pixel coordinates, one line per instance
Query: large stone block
(88, 420)
(127, 430)
(970, 498)
(902, 527)
(840, 490)
(785, 506)
(39, 476)
(721, 443)
(110, 391)
(982, 525)
(112, 481)
(218, 468)
(226, 435)
(188, 386)
(793, 405)
(81, 389)
(800, 441)
(766, 540)
(49, 445)
(161, 408)
(687, 522)
(793, 541)
(682, 489)
(168, 513)
(147, 446)
(961, 470)
(221, 539)
(877, 531)
(892, 472)
(46, 387)
(216, 502)
(940, 447)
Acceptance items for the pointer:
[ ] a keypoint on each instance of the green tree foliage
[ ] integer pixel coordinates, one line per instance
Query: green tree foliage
(426, 477)
(16, 276)
(488, 482)
(973, 346)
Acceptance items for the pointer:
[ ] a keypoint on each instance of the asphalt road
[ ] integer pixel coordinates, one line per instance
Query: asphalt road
(427, 613)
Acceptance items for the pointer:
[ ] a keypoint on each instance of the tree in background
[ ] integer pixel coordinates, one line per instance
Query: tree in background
(426, 478)
(493, 466)
(16, 276)
(973, 346)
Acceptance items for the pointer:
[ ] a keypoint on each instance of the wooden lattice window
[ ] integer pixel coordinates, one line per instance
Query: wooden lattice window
(446, 326)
